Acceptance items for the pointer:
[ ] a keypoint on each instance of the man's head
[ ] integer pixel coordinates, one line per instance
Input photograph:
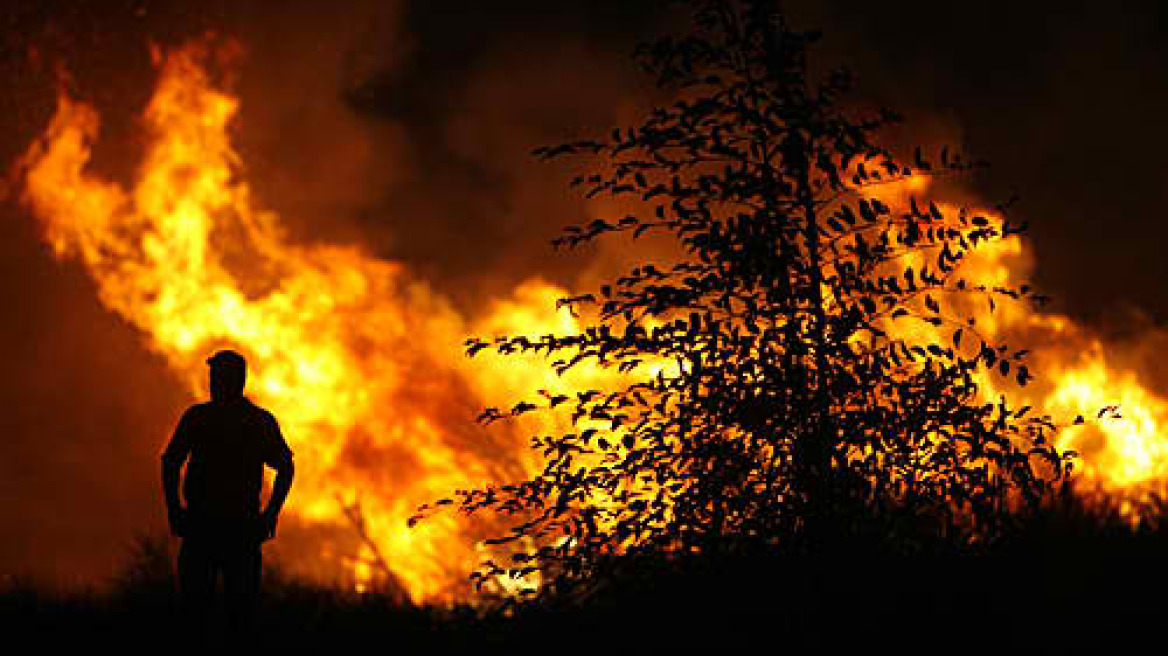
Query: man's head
(228, 373)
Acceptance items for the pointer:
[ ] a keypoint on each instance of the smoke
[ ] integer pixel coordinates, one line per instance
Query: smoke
(444, 111)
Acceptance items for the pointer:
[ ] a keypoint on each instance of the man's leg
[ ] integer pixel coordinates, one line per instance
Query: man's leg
(196, 577)
(241, 582)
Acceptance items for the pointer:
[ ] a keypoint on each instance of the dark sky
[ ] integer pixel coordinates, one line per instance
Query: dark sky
(407, 126)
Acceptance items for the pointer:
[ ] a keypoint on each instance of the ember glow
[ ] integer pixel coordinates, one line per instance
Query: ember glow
(363, 363)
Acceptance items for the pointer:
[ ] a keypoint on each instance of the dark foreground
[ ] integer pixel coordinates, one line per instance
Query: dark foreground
(1075, 581)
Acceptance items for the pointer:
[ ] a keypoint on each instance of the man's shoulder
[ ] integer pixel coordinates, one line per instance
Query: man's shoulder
(243, 411)
(258, 411)
(197, 410)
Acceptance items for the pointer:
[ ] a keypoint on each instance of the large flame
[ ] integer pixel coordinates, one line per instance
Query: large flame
(362, 364)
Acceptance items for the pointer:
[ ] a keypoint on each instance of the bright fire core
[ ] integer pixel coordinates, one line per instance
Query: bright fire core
(362, 363)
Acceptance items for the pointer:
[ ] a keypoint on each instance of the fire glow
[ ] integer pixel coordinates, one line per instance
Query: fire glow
(362, 363)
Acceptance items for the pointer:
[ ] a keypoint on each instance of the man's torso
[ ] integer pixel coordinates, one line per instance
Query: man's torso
(229, 444)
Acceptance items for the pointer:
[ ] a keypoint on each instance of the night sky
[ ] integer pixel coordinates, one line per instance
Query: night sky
(408, 126)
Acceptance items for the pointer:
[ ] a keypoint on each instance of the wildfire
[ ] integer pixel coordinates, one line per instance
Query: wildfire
(363, 364)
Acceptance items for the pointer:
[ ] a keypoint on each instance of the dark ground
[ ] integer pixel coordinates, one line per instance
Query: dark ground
(1073, 579)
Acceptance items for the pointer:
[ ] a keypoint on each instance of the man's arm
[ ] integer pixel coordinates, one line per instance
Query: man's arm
(280, 459)
(174, 510)
(285, 471)
(172, 461)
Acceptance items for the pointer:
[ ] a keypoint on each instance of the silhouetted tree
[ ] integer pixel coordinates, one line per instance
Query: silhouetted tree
(801, 371)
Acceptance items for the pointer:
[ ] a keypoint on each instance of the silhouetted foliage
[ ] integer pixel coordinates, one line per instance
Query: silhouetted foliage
(801, 375)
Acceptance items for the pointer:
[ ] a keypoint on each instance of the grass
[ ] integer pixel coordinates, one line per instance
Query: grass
(141, 608)
(1077, 577)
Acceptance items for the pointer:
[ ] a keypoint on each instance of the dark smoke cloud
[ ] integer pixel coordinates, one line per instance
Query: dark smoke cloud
(407, 127)
(451, 102)
(1066, 100)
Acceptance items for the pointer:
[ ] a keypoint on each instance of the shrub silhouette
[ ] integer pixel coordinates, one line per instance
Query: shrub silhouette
(777, 398)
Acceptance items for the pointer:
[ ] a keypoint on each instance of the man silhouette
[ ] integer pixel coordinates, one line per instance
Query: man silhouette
(225, 444)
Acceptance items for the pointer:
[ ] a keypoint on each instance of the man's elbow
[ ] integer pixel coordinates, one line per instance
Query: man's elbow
(286, 468)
